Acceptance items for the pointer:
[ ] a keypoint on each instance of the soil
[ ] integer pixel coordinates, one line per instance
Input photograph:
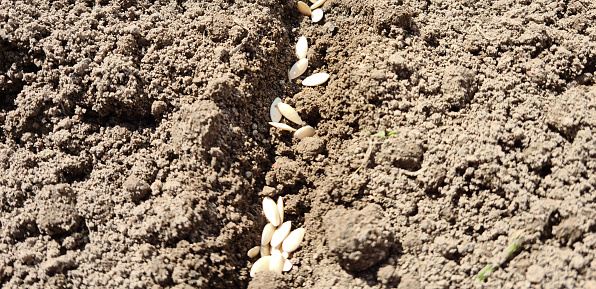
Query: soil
(135, 150)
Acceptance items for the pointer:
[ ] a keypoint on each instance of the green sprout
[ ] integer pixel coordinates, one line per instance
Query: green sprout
(515, 245)
(383, 134)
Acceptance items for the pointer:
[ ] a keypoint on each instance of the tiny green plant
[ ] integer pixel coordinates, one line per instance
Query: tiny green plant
(383, 134)
(515, 245)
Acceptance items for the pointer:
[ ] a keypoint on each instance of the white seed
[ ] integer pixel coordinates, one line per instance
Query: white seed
(280, 207)
(281, 233)
(304, 8)
(265, 250)
(276, 263)
(287, 265)
(274, 112)
(292, 242)
(298, 68)
(313, 1)
(267, 234)
(317, 15)
(260, 265)
(304, 132)
(301, 47)
(271, 211)
(254, 251)
(317, 4)
(282, 126)
(315, 79)
(289, 112)
(286, 254)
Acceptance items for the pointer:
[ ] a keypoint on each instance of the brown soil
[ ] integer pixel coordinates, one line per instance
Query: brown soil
(135, 150)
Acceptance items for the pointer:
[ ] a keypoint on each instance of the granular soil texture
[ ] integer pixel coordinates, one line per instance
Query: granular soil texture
(135, 150)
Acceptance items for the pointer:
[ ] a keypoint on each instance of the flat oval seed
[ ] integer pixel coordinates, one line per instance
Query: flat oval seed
(276, 263)
(265, 250)
(282, 126)
(286, 254)
(315, 79)
(287, 265)
(298, 68)
(280, 207)
(304, 8)
(301, 47)
(292, 242)
(304, 132)
(317, 15)
(254, 251)
(274, 112)
(281, 233)
(317, 4)
(267, 234)
(289, 112)
(271, 211)
(260, 265)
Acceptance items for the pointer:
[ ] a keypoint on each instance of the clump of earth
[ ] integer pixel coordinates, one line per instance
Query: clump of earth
(135, 149)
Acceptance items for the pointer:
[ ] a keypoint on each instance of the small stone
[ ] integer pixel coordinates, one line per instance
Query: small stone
(535, 274)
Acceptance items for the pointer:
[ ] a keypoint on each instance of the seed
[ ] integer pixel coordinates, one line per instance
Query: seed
(303, 8)
(260, 265)
(280, 207)
(286, 254)
(289, 112)
(267, 234)
(274, 112)
(281, 233)
(271, 211)
(276, 263)
(317, 15)
(301, 47)
(304, 132)
(298, 68)
(317, 4)
(254, 251)
(292, 242)
(265, 250)
(287, 265)
(315, 79)
(282, 126)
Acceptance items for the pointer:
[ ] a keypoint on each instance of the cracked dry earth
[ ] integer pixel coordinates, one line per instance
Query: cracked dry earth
(135, 150)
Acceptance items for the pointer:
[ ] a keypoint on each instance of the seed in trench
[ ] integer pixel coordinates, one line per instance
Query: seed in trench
(287, 265)
(298, 68)
(317, 15)
(304, 132)
(317, 4)
(304, 8)
(260, 265)
(282, 126)
(280, 207)
(281, 233)
(276, 263)
(315, 79)
(265, 250)
(267, 234)
(254, 251)
(289, 112)
(276, 250)
(301, 47)
(274, 112)
(292, 242)
(271, 211)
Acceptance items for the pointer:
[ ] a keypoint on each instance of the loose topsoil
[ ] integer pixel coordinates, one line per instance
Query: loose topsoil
(135, 150)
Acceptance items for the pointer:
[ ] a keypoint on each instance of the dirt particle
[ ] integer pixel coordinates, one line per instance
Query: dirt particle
(535, 274)
(358, 239)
